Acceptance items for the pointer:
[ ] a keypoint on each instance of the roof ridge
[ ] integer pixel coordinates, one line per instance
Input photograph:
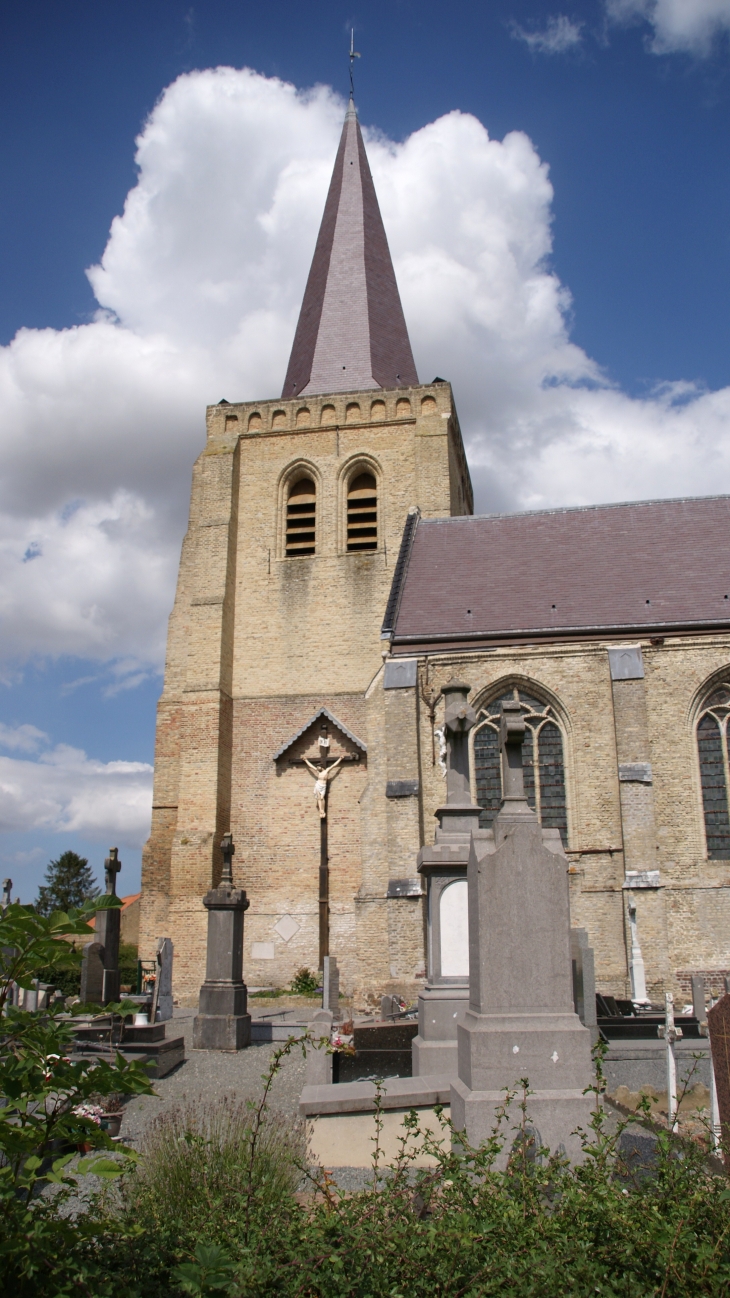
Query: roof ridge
(575, 509)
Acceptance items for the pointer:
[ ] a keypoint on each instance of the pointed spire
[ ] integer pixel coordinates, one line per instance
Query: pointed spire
(351, 332)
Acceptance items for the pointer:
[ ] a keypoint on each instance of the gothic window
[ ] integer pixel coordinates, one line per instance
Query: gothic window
(542, 755)
(712, 752)
(362, 513)
(301, 507)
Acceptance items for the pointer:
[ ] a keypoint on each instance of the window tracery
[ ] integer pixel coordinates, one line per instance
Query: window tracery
(543, 761)
(712, 752)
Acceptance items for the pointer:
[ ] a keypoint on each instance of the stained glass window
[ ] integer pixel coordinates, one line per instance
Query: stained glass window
(544, 776)
(713, 755)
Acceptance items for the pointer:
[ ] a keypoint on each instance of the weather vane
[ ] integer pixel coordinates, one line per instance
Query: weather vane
(353, 55)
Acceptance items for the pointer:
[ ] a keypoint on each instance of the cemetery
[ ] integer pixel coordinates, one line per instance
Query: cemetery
(416, 1112)
(365, 1055)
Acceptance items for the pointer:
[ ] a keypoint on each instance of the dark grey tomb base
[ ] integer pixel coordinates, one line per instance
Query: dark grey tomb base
(222, 1022)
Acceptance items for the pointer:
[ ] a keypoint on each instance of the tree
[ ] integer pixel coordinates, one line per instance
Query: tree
(69, 883)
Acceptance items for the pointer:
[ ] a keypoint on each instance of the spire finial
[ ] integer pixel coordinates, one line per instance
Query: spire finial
(353, 55)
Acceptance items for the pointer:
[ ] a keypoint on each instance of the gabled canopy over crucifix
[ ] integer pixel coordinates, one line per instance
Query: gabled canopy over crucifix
(324, 770)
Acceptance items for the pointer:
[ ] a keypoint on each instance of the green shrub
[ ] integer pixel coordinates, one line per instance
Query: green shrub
(304, 983)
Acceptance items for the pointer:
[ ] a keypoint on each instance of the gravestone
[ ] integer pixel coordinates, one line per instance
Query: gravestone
(222, 1022)
(331, 986)
(7, 888)
(164, 956)
(92, 974)
(319, 1060)
(443, 1001)
(521, 1022)
(718, 1021)
(389, 1007)
(584, 980)
(108, 929)
(698, 998)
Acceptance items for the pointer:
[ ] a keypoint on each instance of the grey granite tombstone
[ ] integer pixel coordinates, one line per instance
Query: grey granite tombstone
(443, 1001)
(521, 1022)
(164, 955)
(222, 1022)
(108, 928)
(319, 1060)
(584, 980)
(698, 998)
(92, 974)
(331, 986)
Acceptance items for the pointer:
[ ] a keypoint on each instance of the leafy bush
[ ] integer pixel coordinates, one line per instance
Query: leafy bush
(304, 983)
(42, 1120)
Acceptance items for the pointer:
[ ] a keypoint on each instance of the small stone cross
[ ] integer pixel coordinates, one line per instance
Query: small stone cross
(229, 851)
(112, 866)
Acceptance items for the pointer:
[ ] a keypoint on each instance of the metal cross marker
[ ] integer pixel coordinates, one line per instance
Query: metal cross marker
(353, 55)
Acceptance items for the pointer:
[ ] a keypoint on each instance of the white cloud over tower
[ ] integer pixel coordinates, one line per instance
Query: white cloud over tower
(199, 289)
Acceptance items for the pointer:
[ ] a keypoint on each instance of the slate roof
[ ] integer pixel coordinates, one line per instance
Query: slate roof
(351, 333)
(321, 712)
(649, 566)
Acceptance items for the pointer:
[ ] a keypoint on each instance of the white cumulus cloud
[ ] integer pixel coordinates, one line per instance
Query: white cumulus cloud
(678, 26)
(64, 791)
(199, 289)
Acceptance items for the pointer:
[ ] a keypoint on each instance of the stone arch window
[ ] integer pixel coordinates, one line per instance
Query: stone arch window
(254, 422)
(362, 512)
(303, 417)
(543, 758)
(301, 518)
(402, 408)
(712, 751)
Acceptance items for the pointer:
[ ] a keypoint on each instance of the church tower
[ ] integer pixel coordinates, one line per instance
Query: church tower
(274, 667)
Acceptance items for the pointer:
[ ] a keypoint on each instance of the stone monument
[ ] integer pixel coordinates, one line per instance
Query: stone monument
(584, 981)
(107, 930)
(521, 1022)
(163, 987)
(92, 974)
(222, 1022)
(331, 987)
(443, 1001)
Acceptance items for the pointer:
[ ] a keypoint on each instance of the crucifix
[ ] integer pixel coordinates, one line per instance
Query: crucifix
(323, 771)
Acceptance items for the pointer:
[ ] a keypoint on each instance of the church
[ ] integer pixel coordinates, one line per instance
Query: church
(334, 580)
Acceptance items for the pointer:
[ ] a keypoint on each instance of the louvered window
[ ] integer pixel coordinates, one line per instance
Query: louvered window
(362, 513)
(713, 755)
(301, 508)
(544, 776)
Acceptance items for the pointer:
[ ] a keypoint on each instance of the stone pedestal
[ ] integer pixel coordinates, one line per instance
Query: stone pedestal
(108, 927)
(521, 1022)
(222, 1021)
(444, 999)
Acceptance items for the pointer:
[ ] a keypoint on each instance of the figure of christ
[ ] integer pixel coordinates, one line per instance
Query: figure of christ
(322, 775)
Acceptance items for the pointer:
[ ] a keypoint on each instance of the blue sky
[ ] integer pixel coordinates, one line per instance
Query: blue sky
(620, 106)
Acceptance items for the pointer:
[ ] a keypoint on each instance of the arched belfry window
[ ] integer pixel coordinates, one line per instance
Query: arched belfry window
(301, 518)
(712, 752)
(362, 512)
(542, 757)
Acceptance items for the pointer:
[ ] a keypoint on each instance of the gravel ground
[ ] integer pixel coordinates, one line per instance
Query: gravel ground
(211, 1075)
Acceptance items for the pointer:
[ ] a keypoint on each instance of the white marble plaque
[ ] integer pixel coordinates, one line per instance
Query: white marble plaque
(454, 917)
(262, 951)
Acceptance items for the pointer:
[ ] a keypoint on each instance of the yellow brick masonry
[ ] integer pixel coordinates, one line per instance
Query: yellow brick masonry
(685, 924)
(257, 643)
